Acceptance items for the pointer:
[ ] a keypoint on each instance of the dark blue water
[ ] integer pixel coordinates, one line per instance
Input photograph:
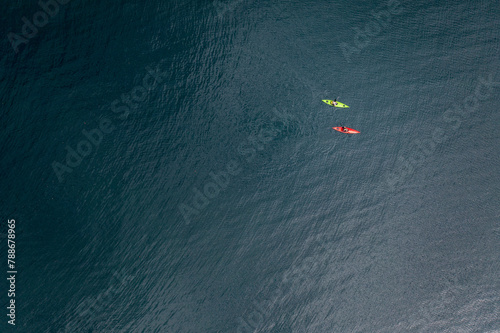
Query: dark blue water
(171, 167)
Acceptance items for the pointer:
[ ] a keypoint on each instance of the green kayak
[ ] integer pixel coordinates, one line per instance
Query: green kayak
(339, 105)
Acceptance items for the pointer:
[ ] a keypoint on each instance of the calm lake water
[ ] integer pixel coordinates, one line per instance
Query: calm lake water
(171, 167)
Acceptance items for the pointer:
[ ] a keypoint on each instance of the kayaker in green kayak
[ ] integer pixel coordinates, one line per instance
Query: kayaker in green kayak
(335, 103)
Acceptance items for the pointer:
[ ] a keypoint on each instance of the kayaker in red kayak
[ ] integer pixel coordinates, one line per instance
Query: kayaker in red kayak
(346, 130)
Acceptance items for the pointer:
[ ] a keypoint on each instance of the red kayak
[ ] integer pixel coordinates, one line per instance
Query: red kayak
(346, 130)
